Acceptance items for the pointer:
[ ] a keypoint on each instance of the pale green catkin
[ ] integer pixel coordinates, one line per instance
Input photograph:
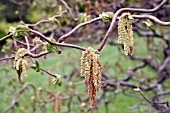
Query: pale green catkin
(125, 32)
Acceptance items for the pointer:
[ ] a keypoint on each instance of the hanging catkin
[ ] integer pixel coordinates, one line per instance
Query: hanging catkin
(91, 69)
(125, 32)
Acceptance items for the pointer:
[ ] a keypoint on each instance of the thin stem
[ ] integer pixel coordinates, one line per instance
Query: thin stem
(69, 9)
(153, 18)
(45, 21)
(164, 102)
(12, 57)
(62, 38)
(5, 37)
(48, 72)
(56, 43)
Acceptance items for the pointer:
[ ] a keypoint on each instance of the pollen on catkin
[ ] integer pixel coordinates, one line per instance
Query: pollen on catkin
(91, 69)
(125, 32)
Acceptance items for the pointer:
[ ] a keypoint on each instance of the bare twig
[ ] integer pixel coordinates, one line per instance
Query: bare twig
(45, 21)
(153, 102)
(5, 37)
(62, 38)
(69, 9)
(56, 43)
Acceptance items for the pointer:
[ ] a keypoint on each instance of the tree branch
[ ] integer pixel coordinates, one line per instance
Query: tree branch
(124, 10)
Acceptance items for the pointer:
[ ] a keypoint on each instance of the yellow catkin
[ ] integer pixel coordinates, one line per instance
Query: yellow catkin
(91, 69)
(125, 32)
(95, 65)
(20, 63)
(88, 63)
(24, 67)
(126, 38)
(99, 75)
(20, 53)
(83, 61)
(96, 71)
(130, 34)
(120, 26)
(17, 63)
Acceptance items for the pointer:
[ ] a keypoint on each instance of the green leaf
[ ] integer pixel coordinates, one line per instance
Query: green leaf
(53, 20)
(16, 30)
(106, 16)
(56, 48)
(87, 17)
(57, 81)
(52, 48)
(12, 29)
(33, 67)
(148, 23)
(49, 48)
(36, 66)
(52, 39)
(16, 35)
(110, 14)
(57, 22)
(22, 28)
(60, 9)
(81, 18)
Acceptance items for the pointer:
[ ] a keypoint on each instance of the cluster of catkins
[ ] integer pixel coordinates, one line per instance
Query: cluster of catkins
(20, 64)
(91, 69)
(125, 32)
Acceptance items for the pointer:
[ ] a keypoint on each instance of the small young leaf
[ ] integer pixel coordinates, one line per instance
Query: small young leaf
(87, 17)
(52, 48)
(106, 16)
(110, 14)
(57, 81)
(37, 64)
(33, 67)
(16, 35)
(49, 48)
(53, 20)
(57, 22)
(148, 23)
(52, 39)
(12, 29)
(136, 89)
(22, 28)
(81, 18)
